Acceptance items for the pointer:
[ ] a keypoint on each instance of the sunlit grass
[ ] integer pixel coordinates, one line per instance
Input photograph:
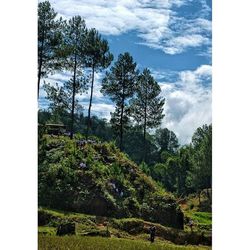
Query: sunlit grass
(99, 243)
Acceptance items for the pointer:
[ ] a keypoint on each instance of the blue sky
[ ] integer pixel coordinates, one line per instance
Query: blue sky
(170, 37)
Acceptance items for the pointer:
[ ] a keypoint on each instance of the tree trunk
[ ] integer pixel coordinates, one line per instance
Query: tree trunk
(90, 101)
(208, 196)
(40, 67)
(122, 111)
(73, 100)
(144, 134)
(121, 126)
(39, 76)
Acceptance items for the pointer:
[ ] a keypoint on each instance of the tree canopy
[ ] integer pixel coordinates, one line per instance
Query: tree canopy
(119, 84)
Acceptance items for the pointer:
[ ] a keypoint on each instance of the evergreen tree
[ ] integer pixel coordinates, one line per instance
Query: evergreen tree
(183, 170)
(147, 106)
(97, 57)
(60, 98)
(74, 48)
(119, 84)
(58, 101)
(166, 140)
(49, 40)
(202, 158)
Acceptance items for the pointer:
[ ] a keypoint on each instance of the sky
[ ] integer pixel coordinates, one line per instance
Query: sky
(173, 38)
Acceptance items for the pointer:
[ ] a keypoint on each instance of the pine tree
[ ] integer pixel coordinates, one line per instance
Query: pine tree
(60, 97)
(202, 158)
(147, 105)
(49, 40)
(119, 84)
(97, 57)
(74, 48)
(167, 141)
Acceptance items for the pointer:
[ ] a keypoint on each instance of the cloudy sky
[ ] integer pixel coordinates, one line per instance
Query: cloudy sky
(170, 37)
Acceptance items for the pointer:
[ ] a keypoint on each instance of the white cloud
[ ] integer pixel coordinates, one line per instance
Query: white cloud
(155, 21)
(178, 44)
(103, 110)
(188, 102)
(204, 70)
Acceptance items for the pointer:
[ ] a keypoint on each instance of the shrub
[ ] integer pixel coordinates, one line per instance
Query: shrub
(43, 218)
(66, 228)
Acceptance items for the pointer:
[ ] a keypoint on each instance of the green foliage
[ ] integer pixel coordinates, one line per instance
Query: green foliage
(49, 40)
(146, 105)
(75, 33)
(177, 172)
(96, 52)
(130, 225)
(119, 85)
(97, 56)
(166, 140)
(107, 184)
(134, 146)
(47, 230)
(145, 168)
(202, 220)
(201, 151)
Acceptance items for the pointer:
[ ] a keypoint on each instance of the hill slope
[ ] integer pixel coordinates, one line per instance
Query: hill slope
(128, 228)
(96, 178)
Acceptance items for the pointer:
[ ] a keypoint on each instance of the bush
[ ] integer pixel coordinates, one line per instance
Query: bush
(44, 218)
(66, 228)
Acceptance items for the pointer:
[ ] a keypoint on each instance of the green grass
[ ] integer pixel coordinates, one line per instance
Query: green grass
(202, 220)
(203, 217)
(99, 243)
(47, 230)
(200, 217)
(126, 228)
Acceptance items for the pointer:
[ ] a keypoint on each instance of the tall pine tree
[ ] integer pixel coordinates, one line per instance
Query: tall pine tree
(74, 48)
(147, 105)
(119, 84)
(97, 57)
(49, 41)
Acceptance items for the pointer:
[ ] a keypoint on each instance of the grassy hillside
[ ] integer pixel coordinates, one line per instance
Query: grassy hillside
(129, 228)
(98, 243)
(96, 178)
(198, 210)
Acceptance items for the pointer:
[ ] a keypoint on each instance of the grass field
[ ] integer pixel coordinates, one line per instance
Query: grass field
(99, 243)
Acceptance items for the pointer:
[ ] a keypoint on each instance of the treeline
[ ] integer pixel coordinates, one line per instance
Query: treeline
(68, 45)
